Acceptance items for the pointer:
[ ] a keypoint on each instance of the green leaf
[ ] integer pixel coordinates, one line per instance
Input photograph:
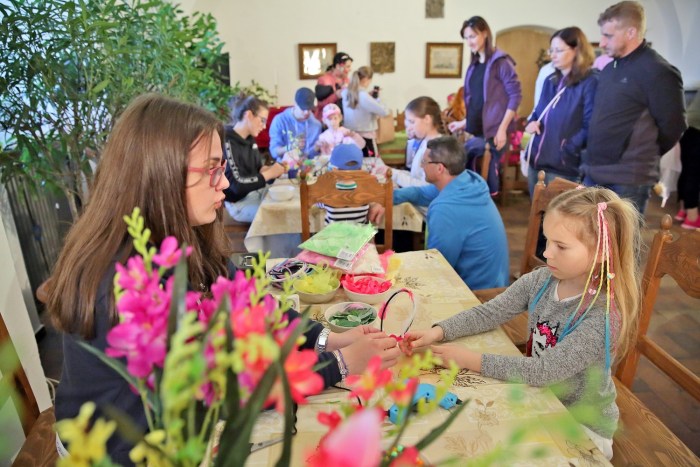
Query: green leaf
(436, 432)
(113, 363)
(285, 457)
(101, 86)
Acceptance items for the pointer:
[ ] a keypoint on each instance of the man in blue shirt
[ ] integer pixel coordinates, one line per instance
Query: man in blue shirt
(295, 131)
(462, 221)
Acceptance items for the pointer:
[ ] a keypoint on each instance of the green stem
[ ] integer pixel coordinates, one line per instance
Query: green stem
(146, 405)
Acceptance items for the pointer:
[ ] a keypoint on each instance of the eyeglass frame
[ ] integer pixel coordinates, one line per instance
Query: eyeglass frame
(215, 173)
(425, 161)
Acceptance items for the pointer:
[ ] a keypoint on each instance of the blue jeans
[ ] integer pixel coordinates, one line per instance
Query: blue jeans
(475, 148)
(638, 194)
(548, 177)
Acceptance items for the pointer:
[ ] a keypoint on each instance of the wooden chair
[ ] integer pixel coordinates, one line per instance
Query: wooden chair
(511, 160)
(642, 438)
(368, 190)
(516, 328)
(482, 162)
(236, 232)
(39, 448)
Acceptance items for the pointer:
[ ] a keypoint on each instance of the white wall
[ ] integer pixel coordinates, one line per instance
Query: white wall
(262, 35)
(16, 316)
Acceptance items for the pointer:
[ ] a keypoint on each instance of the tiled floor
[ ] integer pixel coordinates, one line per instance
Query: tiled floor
(676, 324)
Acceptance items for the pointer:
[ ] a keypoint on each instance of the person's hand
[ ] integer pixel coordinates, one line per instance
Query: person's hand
(422, 338)
(500, 139)
(358, 354)
(462, 356)
(301, 142)
(270, 172)
(375, 213)
(339, 340)
(459, 125)
(533, 128)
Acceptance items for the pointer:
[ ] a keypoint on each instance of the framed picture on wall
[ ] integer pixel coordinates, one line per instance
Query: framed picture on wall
(443, 60)
(314, 59)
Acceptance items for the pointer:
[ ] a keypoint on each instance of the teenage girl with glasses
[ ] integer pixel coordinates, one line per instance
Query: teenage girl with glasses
(165, 157)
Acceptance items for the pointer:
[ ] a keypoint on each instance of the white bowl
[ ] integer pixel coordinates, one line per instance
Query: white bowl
(338, 307)
(281, 192)
(370, 299)
(312, 298)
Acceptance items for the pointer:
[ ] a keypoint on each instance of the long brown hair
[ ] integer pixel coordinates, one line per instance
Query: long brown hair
(242, 103)
(144, 165)
(354, 86)
(424, 105)
(623, 219)
(479, 24)
(583, 53)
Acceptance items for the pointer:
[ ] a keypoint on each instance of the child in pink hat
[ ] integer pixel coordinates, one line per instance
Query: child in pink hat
(336, 134)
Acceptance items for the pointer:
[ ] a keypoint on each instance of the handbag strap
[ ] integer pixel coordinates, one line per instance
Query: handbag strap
(549, 106)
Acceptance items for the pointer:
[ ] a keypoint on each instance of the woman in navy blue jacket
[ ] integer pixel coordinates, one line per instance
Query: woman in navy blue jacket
(560, 133)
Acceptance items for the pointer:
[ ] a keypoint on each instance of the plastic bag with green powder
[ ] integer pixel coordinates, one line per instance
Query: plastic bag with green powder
(340, 240)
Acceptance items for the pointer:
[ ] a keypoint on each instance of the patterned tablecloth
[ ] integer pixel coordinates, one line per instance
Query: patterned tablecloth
(491, 414)
(284, 217)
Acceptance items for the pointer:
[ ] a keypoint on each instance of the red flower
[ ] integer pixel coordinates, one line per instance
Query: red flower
(364, 385)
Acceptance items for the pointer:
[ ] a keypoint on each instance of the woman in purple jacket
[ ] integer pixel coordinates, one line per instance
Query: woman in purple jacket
(491, 96)
(559, 123)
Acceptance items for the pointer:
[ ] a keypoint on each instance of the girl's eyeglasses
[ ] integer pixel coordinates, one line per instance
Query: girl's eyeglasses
(215, 173)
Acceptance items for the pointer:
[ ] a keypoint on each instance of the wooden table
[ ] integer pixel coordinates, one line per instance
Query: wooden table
(490, 416)
(277, 224)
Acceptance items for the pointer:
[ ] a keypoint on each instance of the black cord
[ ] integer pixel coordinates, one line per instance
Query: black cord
(359, 401)
(386, 305)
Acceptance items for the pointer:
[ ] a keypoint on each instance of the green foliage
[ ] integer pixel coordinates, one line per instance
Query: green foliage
(69, 68)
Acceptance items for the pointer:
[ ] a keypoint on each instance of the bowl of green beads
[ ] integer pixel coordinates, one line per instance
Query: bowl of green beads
(347, 315)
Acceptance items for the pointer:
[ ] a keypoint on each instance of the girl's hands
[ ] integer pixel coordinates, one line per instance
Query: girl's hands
(339, 340)
(358, 354)
(421, 339)
(463, 357)
(533, 128)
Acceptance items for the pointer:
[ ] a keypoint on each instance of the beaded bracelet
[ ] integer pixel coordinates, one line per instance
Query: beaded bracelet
(341, 364)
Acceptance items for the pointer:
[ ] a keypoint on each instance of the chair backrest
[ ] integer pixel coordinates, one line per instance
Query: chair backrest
(368, 190)
(263, 138)
(400, 124)
(679, 259)
(23, 396)
(541, 197)
(485, 162)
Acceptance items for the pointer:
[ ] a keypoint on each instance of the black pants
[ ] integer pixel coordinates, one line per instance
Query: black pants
(689, 181)
(370, 149)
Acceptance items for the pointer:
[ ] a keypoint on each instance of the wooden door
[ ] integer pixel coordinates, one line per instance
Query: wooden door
(525, 44)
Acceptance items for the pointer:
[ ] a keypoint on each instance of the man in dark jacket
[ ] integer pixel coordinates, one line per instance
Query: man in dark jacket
(639, 111)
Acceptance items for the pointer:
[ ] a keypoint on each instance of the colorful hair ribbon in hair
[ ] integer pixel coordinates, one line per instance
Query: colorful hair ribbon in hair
(594, 284)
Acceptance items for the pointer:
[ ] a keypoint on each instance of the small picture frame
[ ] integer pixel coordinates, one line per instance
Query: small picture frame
(314, 59)
(443, 60)
(597, 50)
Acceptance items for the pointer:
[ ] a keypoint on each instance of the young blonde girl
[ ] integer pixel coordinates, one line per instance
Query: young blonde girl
(582, 307)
